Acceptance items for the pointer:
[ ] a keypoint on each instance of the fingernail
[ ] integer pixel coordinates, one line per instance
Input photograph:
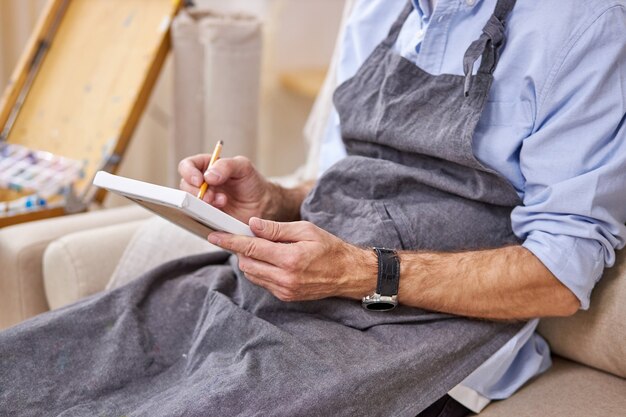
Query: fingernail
(257, 223)
(195, 180)
(212, 175)
(215, 238)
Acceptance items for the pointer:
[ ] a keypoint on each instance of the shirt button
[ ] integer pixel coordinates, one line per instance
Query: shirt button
(470, 2)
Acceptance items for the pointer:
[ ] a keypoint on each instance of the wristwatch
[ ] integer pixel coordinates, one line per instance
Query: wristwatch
(386, 296)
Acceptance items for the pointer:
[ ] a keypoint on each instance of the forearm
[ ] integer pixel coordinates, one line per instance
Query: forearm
(505, 283)
(283, 204)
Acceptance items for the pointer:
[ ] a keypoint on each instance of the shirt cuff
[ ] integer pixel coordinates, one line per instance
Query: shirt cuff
(469, 398)
(577, 262)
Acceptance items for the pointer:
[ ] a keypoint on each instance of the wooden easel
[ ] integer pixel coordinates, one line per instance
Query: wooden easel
(82, 84)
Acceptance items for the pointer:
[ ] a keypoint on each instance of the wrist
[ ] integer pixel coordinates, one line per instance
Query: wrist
(278, 205)
(283, 204)
(361, 273)
(270, 202)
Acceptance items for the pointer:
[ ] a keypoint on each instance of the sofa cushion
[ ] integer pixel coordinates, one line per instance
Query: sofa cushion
(567, 389)
(22, 246)
(80, 264)
(157, 241)
(596, 337)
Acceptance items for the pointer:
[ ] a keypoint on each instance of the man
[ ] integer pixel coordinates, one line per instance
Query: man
(535, 279)
(481, 153)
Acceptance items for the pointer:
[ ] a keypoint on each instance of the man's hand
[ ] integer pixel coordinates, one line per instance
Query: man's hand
(299, 261)
(235, 186)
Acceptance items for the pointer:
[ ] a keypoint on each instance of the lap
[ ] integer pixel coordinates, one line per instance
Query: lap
(194, 335)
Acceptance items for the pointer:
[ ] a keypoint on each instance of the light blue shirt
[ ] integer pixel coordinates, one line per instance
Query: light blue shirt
(554, 126)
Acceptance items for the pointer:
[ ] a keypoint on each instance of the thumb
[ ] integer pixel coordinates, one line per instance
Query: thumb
(282, 231)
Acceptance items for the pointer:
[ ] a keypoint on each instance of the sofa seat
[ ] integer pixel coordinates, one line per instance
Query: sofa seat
(566, 389)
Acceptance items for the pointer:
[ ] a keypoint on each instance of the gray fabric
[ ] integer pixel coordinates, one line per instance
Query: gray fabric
(411, 180)
(194, 337)
(487, 45)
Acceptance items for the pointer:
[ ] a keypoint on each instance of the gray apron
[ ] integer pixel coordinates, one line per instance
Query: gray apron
(411, 180)
(195, 338)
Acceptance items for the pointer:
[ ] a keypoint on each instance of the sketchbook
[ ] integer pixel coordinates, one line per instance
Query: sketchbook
(177, 206)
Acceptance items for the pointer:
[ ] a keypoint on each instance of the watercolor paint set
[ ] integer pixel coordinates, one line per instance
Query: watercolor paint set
(43, 177)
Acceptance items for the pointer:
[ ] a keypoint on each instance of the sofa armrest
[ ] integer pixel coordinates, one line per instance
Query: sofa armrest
(595, 337)
(80, 264)
(21, 251)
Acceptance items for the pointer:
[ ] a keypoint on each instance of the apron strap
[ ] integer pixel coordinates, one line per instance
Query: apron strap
(487, 45)
(394, 32)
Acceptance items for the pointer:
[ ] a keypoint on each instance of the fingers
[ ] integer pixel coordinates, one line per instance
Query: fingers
(191, 169)
(194, 168)
(220, 200)
(278, 291)
(292, 272)
(260, 249)
(209, 197)
(267, 276)
(283, 231)
(261, 270)
(228, 169)
(288, 258)
(185, 186)
(285, 257)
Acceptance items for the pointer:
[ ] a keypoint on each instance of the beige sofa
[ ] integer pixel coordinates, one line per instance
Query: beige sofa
(22, 293)
(51, 263)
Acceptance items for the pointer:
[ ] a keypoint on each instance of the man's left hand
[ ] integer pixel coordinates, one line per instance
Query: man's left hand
(298, 261)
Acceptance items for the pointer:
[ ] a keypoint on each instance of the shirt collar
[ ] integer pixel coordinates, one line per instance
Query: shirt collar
(425, 10)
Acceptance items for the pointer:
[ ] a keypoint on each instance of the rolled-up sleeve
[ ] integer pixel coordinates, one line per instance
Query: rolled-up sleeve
(574, 162)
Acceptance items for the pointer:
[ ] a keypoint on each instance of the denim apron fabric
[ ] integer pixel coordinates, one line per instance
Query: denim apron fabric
(194, 337)
(411, 180)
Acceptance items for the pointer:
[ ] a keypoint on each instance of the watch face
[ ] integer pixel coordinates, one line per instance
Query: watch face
(379, 306)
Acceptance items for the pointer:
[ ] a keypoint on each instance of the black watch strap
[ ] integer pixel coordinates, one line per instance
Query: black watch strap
(388, 272)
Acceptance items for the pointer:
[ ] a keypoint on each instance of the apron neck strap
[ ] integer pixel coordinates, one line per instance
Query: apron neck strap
(488, 44)
(503, 8)
(394, 32)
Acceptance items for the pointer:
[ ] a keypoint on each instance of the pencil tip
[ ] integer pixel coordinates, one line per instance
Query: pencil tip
(221, 142)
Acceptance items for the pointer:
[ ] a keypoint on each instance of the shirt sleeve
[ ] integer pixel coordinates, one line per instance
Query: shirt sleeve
(574, 162)
(332, 149)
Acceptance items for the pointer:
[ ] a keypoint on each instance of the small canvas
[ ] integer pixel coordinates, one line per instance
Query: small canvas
(177, 206)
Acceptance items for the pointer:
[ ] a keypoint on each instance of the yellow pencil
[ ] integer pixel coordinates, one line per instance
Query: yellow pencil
(214, 157)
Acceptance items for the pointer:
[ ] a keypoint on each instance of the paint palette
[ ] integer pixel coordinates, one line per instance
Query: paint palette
(34, 180)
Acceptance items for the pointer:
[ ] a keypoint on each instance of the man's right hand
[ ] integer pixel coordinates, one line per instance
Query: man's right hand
(235, 186)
